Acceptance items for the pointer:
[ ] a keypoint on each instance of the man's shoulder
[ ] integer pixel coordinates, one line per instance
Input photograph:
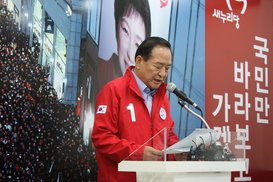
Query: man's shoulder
(119, 82)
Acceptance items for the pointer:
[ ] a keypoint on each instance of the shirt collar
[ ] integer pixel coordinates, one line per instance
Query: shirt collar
(142, 87)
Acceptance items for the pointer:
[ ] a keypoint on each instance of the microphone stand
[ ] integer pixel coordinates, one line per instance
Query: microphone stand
(182, 104)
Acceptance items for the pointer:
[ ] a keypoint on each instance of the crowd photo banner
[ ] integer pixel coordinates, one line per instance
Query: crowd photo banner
(238, 79)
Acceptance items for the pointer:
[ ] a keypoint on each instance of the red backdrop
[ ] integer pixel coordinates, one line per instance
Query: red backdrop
(238, 78)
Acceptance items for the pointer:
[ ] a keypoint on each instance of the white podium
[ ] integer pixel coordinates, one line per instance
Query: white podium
(185, 171)
(194, 170)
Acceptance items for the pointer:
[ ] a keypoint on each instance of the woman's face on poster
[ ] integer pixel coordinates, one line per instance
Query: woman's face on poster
(131, 33)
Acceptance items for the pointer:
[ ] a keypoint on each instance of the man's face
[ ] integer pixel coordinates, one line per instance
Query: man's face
(155, 70)
(131, 33)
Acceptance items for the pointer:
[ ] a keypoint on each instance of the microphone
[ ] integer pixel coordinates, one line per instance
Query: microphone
(171, 87)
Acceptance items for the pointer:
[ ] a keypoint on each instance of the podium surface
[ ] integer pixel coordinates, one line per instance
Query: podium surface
(207, 171)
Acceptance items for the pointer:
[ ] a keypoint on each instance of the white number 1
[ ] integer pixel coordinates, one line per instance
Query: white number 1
(132, 111)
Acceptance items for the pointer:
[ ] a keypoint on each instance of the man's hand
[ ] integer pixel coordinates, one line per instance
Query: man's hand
(181, 156)
(151, 154)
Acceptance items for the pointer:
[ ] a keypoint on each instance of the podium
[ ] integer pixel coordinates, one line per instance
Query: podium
(188, 171)
(192, 170)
